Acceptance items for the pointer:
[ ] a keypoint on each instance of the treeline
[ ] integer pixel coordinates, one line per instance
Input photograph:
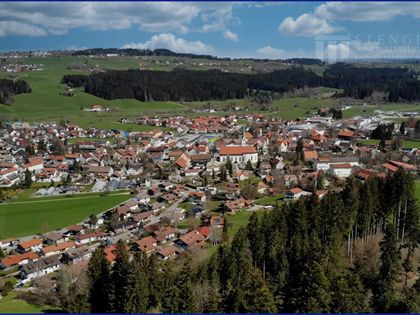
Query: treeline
(170, 53)
(9, 88)
(396, 84)
(287, 260)
(140, 52)
(361, 82)
(186, 85)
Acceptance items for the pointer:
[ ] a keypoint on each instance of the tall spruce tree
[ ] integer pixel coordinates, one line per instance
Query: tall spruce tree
(384, 291)
(99, 282)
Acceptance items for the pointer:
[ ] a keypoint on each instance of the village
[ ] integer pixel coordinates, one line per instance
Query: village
(185, 178)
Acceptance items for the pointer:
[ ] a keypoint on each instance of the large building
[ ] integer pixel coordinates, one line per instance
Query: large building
(238, 154)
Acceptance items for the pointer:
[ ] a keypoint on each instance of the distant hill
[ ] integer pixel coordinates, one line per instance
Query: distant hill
(170, 53)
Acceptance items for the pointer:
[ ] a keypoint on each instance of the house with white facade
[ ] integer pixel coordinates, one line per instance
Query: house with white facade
(342, 170)
(41, 267)
(238, 154)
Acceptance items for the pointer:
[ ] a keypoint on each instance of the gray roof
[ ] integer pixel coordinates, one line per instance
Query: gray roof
(41, 264)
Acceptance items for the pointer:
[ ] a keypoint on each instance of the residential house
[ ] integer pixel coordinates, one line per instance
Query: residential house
(15, 260)
(190, 239)
(40, 267)
(168, 252)
(58, 249)
(33, 245)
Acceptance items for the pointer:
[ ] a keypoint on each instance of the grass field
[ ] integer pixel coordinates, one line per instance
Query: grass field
(11, 305)
(45, 103)
(23, 218)
(270, 200)
(404, 143)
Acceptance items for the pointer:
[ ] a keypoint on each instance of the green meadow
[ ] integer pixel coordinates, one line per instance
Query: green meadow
(40, 215)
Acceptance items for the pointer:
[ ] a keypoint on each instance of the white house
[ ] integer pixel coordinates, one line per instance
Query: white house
(238, 154)
(296, 193)
(340, 170)
(324, 164)
(41, 267)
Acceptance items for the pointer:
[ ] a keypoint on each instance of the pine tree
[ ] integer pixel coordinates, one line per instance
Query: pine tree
(402, 128)
(185, 300)
(154, 281)
(229, 167)
(384, 291)
(28, 178)
(138, 286)
(225, 229)
(417, 128)
(248, 166)
(223, 174)
(258, 297)
(99, 282)
(122, 280)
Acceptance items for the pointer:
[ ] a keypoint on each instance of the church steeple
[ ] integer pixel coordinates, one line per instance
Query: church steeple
(243, 135)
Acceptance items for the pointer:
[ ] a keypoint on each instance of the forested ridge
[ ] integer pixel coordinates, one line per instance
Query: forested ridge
(396, 84)
(170, 53)
(9, 88)
(296, 258)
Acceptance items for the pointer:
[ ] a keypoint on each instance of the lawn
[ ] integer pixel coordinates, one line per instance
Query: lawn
(11, 305)
(38, 216)
(404, 143)
(270, 200)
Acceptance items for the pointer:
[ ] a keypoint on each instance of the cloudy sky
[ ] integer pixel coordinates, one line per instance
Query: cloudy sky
(264, 30)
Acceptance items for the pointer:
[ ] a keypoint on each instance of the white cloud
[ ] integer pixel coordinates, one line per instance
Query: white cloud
(60, 17)
(306, 25)
(8, 28)
(170, 41)
(338, 51)
(230, 35)
(321, 21)
(269, 52)
(367, 11)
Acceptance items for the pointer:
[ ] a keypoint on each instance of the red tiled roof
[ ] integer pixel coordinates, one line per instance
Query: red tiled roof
(192, 238)
(30, 243)
(59, 247)
(309, 155)
(168, 250)
(345, 133)
(341, 165)
(236, 150)
(146, 244)
(16, 259)
(296, 190)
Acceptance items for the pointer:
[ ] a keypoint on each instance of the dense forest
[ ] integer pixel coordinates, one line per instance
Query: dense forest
(297, 257)
(360, 82)
(394, 84)
(186, 85)
(9, 88)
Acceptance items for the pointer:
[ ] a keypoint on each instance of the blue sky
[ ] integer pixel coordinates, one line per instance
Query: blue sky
(262, 30)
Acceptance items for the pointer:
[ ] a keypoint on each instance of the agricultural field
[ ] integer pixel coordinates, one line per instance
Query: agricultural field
(40, 215)
(46, 104)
